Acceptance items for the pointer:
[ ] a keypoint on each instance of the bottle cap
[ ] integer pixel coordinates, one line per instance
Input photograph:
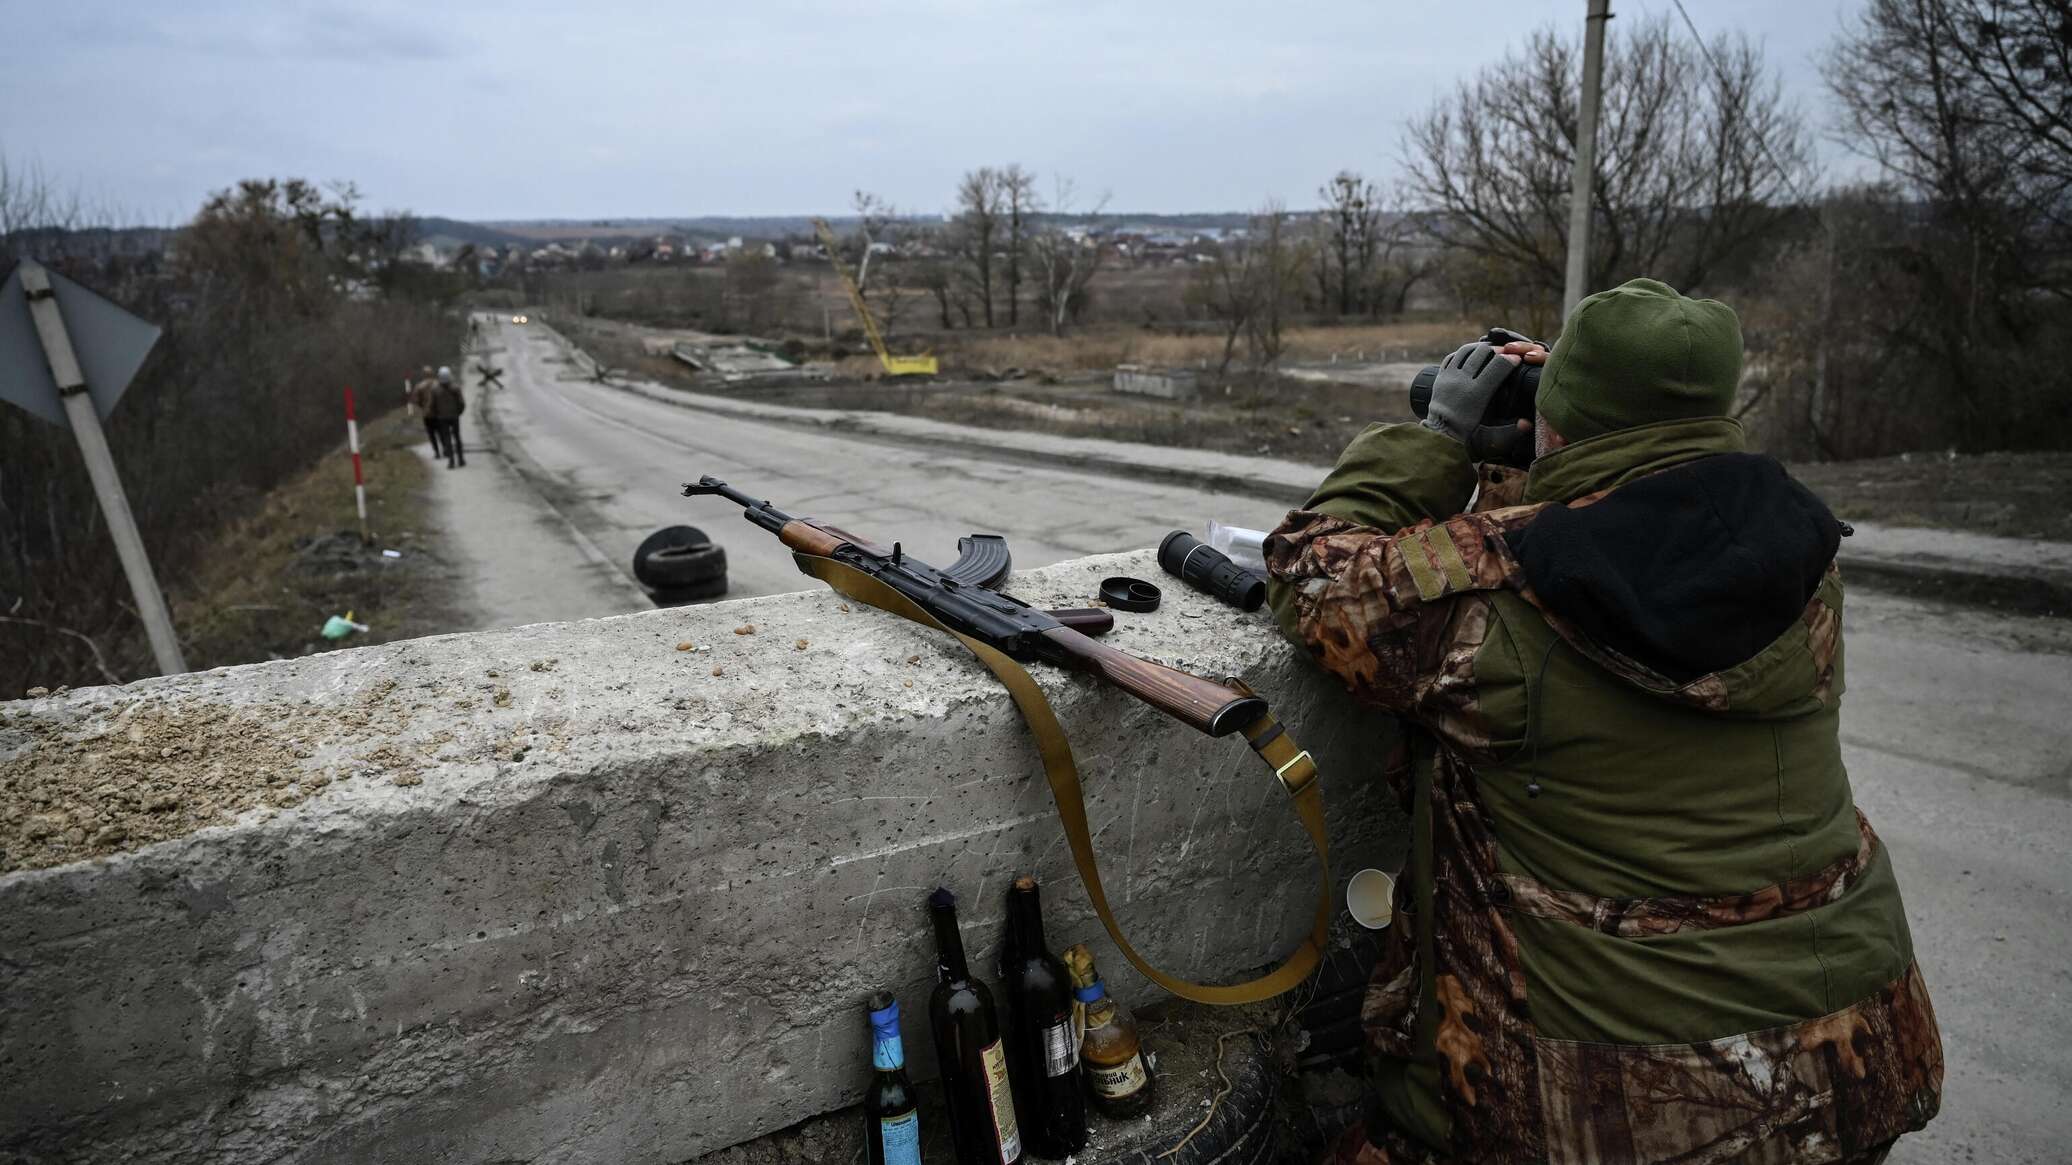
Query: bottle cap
(884, 1011)
(1129, 594)
(1079, 964)
(1370, 897)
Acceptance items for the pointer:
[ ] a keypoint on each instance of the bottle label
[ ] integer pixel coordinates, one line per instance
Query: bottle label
(1122, 1080)
(901, 1136)
(1002, 1102)
(1060, 1049)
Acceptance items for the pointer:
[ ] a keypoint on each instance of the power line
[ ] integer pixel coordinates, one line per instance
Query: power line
(1719, 70)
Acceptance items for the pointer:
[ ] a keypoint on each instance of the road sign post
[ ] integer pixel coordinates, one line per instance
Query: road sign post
(83, 416)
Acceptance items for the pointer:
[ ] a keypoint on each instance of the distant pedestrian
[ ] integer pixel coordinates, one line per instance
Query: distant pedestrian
(421, 401)
(447, 407)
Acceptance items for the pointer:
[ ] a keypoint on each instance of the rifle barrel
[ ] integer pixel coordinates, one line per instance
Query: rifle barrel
(759, 511)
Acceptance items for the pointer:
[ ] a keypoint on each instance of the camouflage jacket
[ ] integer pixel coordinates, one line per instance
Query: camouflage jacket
(1642, 919)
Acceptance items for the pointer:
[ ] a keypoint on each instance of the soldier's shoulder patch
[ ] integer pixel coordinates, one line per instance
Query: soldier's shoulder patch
(1466, 553)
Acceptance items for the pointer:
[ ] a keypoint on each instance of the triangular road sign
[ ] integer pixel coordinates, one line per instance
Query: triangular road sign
(110, 344)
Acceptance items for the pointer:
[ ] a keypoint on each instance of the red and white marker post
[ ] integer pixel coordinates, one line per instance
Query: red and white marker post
(352, 440)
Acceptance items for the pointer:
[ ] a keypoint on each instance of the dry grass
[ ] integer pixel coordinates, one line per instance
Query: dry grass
(268, 582)
(1099, 349)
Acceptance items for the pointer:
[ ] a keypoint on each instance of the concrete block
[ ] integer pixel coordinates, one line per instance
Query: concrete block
(562, 893)
(1167, 383)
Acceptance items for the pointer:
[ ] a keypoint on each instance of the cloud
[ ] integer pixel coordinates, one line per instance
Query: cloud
(515, 108)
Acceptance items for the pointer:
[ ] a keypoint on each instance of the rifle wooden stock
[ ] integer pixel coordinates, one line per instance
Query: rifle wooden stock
(1201, 704)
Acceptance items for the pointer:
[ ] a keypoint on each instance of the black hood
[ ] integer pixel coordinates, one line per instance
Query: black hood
(1689, 571)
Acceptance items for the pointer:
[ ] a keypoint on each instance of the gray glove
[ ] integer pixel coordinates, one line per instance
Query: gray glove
(1466, 382)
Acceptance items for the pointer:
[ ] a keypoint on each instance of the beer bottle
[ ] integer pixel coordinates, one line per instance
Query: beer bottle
(1050, 1099)
(891, 1119)
(967, 1046)
(1117, 1078)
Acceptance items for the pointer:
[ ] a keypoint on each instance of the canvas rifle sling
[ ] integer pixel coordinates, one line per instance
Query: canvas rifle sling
(1294, 768)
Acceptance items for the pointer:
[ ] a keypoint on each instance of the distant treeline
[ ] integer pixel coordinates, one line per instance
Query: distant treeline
(1926, 306)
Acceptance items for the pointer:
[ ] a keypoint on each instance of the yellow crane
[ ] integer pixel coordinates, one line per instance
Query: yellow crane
(894, 365)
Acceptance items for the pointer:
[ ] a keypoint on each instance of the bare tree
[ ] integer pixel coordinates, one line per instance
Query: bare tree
(1352, 217)
(979, 204)
(35, 213)
(1018, 191)
(1694, 163)
(1968, 103)
(1405, 254)
(1957, 267)
(1224, 290)
(1281, 257)
(1066, 259)
(1251, 285)
(932, 274)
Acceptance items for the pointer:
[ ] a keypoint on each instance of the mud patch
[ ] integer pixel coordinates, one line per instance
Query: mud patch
(142, 772)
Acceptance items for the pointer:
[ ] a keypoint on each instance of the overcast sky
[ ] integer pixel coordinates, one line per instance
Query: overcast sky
(516, 109)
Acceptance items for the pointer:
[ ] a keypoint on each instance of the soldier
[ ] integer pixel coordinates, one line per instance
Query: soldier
(447, 406)
(421, 400)
(1642, 919)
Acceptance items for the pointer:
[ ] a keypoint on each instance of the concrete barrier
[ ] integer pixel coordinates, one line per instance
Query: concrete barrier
(1168, 383)
(568, 893)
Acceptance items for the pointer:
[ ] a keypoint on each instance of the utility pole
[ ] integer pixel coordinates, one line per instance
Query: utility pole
(1580, 185)
(100, 465)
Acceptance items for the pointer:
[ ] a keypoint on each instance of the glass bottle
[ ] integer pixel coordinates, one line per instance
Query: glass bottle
(1049, 1095)
(1117, 1077)
(891, 1116)
(968, 1049)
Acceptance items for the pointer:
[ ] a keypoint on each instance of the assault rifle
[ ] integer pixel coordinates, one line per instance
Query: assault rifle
(962, 596)
(1001, 629)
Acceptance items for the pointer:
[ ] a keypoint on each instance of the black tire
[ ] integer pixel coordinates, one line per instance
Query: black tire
(666, 537)
(675, 567)
(679, 596)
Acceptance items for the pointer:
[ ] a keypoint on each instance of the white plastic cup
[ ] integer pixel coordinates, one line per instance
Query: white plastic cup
(1370, 897)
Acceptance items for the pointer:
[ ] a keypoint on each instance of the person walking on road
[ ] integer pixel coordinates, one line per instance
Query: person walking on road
(447, 407)
(1641, 919)
(421, 400)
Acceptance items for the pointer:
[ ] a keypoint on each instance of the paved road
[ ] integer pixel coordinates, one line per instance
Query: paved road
(613, 463)
(1958, 723)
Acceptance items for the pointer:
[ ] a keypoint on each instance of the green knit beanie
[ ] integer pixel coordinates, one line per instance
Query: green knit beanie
(1638, 354)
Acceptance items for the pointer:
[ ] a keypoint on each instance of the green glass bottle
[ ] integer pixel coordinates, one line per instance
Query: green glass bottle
(1043, 1048)
(968, 1050)
(891, 1116)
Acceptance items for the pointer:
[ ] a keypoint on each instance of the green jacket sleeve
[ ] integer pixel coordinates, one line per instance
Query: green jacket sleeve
(1388, 478)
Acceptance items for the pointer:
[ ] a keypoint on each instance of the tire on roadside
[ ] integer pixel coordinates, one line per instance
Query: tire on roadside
(676, 567)
(663, 539)
(697, 593)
